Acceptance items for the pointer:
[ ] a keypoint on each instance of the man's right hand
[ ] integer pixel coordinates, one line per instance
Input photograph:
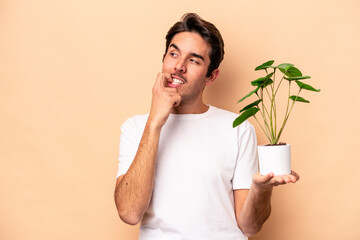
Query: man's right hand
(163, 100)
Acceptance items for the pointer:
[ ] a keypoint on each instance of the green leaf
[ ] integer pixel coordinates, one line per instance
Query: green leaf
(306, 86)
(285, 66)
(258, 81)
(267, 83)
(245, 115)
(249, 94)
(291, 72)
(298, 99)
(264, 65)
(251, 105)
(263, 81)
(297, 78)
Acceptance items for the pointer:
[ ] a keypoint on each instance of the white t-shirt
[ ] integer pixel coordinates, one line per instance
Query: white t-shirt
(201, 159)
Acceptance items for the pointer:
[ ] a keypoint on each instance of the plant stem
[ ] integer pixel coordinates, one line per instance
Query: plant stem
(263, 111)
(267, 92)
(267, 111)
(279, 84)
(275, 114)
(273, 134)
(287, 114)
(274, 103)
(263, 106)
(266, 133)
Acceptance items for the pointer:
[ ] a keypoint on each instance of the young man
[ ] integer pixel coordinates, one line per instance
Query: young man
(183, 170)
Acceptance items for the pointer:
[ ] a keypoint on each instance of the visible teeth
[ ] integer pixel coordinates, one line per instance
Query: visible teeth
(177, 81)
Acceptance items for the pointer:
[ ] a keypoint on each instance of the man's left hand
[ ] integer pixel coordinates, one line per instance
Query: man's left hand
(266, 182)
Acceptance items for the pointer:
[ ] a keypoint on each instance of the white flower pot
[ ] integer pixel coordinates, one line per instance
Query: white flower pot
(275, 159)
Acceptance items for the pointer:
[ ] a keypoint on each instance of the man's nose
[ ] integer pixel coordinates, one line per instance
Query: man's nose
(180, 66)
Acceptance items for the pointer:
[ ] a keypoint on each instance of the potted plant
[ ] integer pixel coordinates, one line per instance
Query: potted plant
(275, 156)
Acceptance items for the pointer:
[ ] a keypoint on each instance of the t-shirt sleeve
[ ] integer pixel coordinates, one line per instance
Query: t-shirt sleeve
(247, 161)
(129, 143)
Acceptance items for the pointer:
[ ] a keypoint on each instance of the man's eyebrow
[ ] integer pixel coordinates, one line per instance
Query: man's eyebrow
(192, 54)
(197, 56)
(174, 46)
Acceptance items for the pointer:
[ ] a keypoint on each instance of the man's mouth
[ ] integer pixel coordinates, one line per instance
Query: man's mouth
(176, 81)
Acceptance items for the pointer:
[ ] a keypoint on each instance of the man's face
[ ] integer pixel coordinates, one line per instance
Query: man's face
(187, 60)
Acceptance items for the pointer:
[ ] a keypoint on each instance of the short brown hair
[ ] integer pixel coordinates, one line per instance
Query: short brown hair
(191, 22)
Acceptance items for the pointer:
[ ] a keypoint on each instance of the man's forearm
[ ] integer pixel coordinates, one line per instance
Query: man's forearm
(253, 212)
(134, 189)
(133, 192)
(256, 210)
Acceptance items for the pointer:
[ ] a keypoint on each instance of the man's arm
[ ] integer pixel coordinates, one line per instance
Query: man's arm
(133, 190)
(253, 207)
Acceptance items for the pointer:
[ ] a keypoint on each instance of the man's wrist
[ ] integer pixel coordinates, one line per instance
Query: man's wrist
(153, 125)
(261, 189)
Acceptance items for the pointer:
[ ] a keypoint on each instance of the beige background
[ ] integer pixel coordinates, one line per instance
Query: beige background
(71, 72)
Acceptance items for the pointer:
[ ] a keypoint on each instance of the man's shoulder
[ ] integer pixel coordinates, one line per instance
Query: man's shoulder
(223, 112)
(136, 121)
(229, 116)
(138, 117)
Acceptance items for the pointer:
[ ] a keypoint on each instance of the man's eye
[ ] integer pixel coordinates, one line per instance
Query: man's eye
(194, 61)
(173, 54)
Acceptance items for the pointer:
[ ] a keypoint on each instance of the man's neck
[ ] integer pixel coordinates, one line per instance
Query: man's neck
(190, 109)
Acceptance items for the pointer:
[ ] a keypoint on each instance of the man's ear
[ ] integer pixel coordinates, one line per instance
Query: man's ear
(212, 77)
